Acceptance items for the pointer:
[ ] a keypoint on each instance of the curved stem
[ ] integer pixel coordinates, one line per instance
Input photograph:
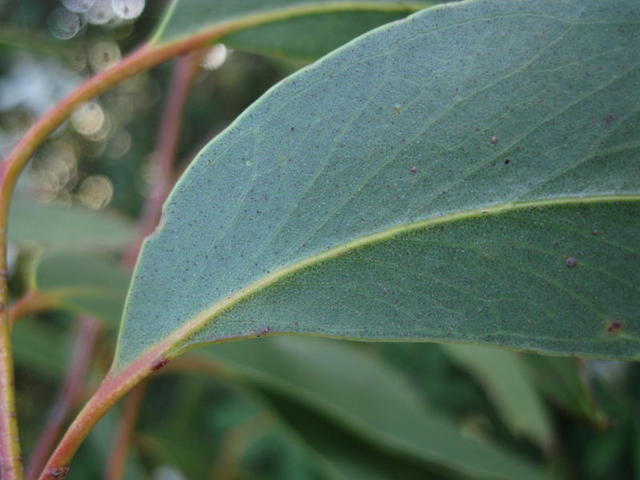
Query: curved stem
(120, 446)
(70, 394)
(140, 60)
(31, 302)
(10, 457)
(112, 388)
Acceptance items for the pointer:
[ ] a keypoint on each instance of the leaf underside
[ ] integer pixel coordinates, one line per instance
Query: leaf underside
(469, 174)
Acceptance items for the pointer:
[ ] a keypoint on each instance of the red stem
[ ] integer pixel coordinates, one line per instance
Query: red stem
(112, 388)
(69, 396)
(140, 60)
(120, 449)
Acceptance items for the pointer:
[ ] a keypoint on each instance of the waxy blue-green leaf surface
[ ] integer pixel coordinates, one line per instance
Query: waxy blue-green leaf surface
(302, 29)
(469, 174)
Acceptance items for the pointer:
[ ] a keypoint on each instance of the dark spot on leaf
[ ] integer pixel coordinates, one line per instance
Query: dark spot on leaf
(413, 170)
(609, 119)
(615, 326)
(263, 331)
(292, 129)
(507, 161)
(493, 140)
(158, 364)
(571, 262)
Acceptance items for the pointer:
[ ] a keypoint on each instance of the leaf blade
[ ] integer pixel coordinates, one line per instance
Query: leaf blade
(510, 386)
(299, 29)
(333, 378)
(294, 182)
(81, 284)
(56, 226)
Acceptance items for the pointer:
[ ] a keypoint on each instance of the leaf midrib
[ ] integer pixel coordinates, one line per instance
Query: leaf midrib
(174, 343)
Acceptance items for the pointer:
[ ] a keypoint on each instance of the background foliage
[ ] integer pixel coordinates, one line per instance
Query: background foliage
(240, 410)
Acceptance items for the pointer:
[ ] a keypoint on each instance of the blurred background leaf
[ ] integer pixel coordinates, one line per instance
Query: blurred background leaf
(239, 423)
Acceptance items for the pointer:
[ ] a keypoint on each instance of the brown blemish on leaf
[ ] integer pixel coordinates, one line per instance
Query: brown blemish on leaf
(263, 331)
(615, 326)
(571, 262)
(159, 363)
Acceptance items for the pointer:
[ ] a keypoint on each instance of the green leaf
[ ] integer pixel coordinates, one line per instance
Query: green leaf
(366, 197)
(219, 429)
(39, 348)
(333, 378)
(315, 35)
(345, 455)
(510, 386)
(74, 228)
(563, 381)
(303, 29)
(636, 447)
(82, 284)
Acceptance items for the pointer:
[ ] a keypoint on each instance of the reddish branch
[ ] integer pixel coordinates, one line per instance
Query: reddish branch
(140, 60)
(10, 457)
(120, 448)
(31, 302)
(112, 388)
(69, 396)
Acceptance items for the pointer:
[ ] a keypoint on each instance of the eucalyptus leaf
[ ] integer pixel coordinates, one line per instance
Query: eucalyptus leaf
(302, 29)
(345, 455)
(563, 381)
(310, 36)
(82, 284)
(511, 387)
(73, 228)
(40, 348)
(468, 174)
(333, 378)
